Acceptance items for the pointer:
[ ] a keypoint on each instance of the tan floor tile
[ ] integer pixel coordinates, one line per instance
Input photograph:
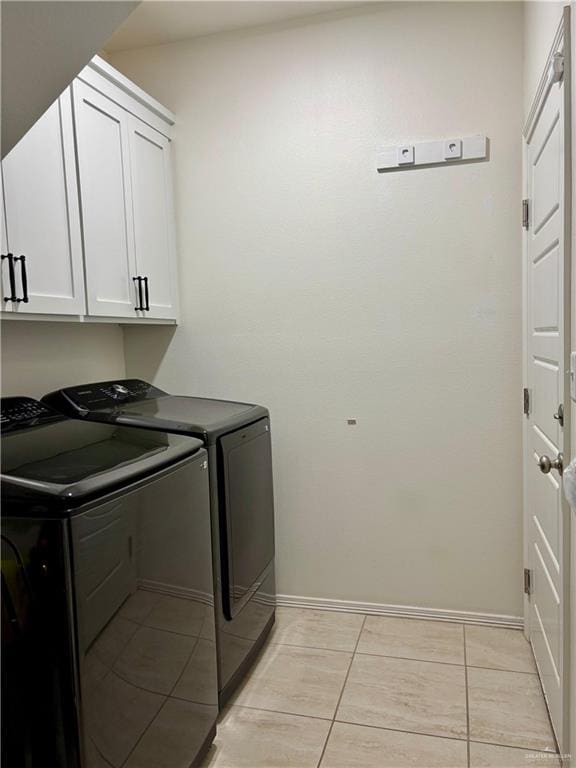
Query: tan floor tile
(413, 639)
(175, 736)
(508, 708)
(490, 756)
(317, 629)
(498, 649)
(417, 696)
(357, 746)
(250, 738)
(300, 681)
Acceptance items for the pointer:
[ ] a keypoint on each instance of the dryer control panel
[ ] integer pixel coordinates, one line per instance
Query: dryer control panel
(86, 398)
(24, 412)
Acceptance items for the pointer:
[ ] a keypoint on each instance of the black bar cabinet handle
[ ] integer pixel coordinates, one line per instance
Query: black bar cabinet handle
(12, 277)
(24, 278)
(138, 280)
(147, 295)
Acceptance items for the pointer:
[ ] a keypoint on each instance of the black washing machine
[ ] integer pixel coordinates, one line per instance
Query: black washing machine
(237, 437)
(108, 647)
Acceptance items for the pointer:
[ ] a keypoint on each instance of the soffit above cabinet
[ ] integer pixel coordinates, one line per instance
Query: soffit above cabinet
(44, 46)
(170, 21)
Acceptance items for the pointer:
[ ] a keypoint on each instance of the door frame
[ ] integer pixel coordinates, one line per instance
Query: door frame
(560, 44)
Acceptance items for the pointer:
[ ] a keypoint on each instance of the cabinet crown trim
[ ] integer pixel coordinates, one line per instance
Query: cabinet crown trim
(100, 66)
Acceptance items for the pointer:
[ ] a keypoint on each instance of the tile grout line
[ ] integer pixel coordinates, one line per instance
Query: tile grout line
(467, 696)
(402, 658)
(341, 694)
(284, 712)
(396, 730)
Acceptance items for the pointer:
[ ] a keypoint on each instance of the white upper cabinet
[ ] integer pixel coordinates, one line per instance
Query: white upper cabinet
(103, 165)
(126, 197)
(87, 211)
(151, 185)
(41, 231)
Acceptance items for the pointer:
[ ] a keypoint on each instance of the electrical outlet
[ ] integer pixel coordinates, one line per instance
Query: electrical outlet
(573, 376)
(453, 149)
(406, 154)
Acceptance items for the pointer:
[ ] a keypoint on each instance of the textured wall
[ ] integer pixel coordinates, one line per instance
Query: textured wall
(316, 286)
(38, 357)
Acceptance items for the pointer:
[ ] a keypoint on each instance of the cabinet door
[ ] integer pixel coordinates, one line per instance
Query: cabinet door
(151, 183)
(42, 216)
(103, 163)
(4, 269)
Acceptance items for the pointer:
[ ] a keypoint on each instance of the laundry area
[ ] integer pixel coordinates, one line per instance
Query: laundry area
(288, 374)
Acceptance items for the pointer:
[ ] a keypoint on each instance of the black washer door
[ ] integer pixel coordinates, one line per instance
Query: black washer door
(247, 512)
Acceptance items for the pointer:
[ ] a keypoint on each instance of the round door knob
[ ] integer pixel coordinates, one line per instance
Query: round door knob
(546, 464)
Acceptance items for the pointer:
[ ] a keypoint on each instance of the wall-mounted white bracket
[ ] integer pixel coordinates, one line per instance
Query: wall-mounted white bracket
(446, 151)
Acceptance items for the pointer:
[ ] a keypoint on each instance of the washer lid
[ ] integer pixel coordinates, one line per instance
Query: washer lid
(73, 460)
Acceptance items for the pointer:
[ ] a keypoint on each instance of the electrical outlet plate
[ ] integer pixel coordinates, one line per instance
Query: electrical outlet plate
(573, 376)
(405, 154)
(442, 152)
(453, 149)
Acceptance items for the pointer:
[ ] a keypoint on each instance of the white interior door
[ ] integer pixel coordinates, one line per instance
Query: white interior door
(151, 183)
(547, 271)
(103, 161)
(43, 217)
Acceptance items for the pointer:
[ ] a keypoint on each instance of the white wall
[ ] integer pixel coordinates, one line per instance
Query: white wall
(38, 357)
(316, 286)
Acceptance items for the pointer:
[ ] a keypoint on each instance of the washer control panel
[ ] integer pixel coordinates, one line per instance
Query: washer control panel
(24, 412)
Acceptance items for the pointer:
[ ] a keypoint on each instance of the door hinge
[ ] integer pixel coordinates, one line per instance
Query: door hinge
(526, 402)
(525, 214)
(557, 67)
(527, 581)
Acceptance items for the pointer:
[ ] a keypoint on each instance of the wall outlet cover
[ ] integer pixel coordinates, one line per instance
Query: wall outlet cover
(406, 154)
(453, 149)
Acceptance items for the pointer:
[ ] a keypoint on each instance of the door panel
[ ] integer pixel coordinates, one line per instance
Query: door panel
(545, 391)
(4, 270)
(545, 291)
(547, 356)
(544, 497)
(546, 186)
(153, 225)
(103, 157)
(42, 214)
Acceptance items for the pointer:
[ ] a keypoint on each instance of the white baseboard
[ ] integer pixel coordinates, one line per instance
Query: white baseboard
(401, 611)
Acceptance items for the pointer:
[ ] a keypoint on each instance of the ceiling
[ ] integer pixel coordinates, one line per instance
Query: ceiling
(156, 22)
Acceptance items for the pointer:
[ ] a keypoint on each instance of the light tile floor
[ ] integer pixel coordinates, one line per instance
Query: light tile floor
(341, 690)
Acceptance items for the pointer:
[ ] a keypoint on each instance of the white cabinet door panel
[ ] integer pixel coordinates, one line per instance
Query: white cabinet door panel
(103, 159)
(4, 269)
(151, 184)
(42, 215)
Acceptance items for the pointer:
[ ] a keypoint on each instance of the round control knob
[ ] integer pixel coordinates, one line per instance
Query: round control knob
(120, 389)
